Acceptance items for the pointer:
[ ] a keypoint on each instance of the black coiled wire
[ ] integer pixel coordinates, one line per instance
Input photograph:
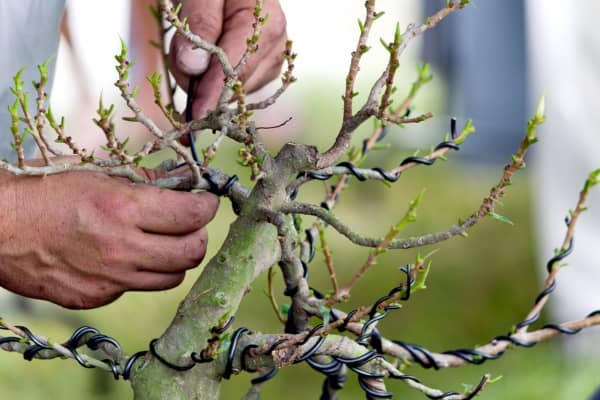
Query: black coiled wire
(426, 358)
(213, 186)
(353, 170)
(84, 335)
(421, 355)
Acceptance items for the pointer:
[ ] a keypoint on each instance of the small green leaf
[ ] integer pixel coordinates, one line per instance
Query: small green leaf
(424, 73)
(18, 82)
(177, 8)
(265, 18)
(154, 79)
(541, 106)
(124, 143)
(361, 26)
(43, 70)
(422, 277)
(284, 308)
(592, 180)
(500, 218)
(468, 129)
(14, 109)
(155, 13)
(397, 34)
(123, 53)
(137, 160)
(385, 45)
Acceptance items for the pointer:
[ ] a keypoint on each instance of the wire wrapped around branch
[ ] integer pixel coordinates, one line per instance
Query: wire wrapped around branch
(34, 346)
(377, 173)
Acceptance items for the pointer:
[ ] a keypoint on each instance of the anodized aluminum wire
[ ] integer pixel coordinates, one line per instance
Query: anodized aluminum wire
(353, 170)
(83, 336)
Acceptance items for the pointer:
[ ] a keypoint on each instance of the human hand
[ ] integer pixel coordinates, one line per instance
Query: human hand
(81, 239)
(227, 23)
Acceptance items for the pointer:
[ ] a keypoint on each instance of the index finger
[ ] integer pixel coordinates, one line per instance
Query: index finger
(168, 212)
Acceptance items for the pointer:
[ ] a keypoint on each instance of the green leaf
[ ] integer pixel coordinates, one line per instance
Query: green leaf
(123, 53)
(18, 82)
(361, 26)
(541, 106)
(385, 45)
(593, 179)
(138, 160)
(468, 129)
(178, 8)
(43, 69)
(422, 278)
(155, 13)
(500, 218)
(154, 79)
(124, 143)
(284, 308)
(397, 34)
(424, 73)
(14, 109)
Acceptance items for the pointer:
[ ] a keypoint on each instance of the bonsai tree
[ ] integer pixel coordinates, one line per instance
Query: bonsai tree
(202, 345)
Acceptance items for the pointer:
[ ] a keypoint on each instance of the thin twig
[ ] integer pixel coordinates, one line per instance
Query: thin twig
(328, 259)
(370, 108)
(272, 298)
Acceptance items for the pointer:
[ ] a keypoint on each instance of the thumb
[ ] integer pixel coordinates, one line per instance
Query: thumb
(205, 18)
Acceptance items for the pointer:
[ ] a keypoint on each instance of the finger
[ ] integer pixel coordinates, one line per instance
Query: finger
(147, 281)
(168, 212)
(205, 18)
(236, 28)
(169, 254)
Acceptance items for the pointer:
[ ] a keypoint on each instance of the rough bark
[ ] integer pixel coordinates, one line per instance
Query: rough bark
(250, 248)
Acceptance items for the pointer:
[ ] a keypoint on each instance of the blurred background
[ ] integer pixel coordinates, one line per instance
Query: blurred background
(484, 68)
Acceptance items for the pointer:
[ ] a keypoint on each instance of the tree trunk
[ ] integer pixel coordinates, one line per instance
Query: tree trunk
(250, 248)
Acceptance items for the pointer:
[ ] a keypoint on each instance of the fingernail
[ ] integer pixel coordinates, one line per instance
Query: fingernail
(193, 61)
